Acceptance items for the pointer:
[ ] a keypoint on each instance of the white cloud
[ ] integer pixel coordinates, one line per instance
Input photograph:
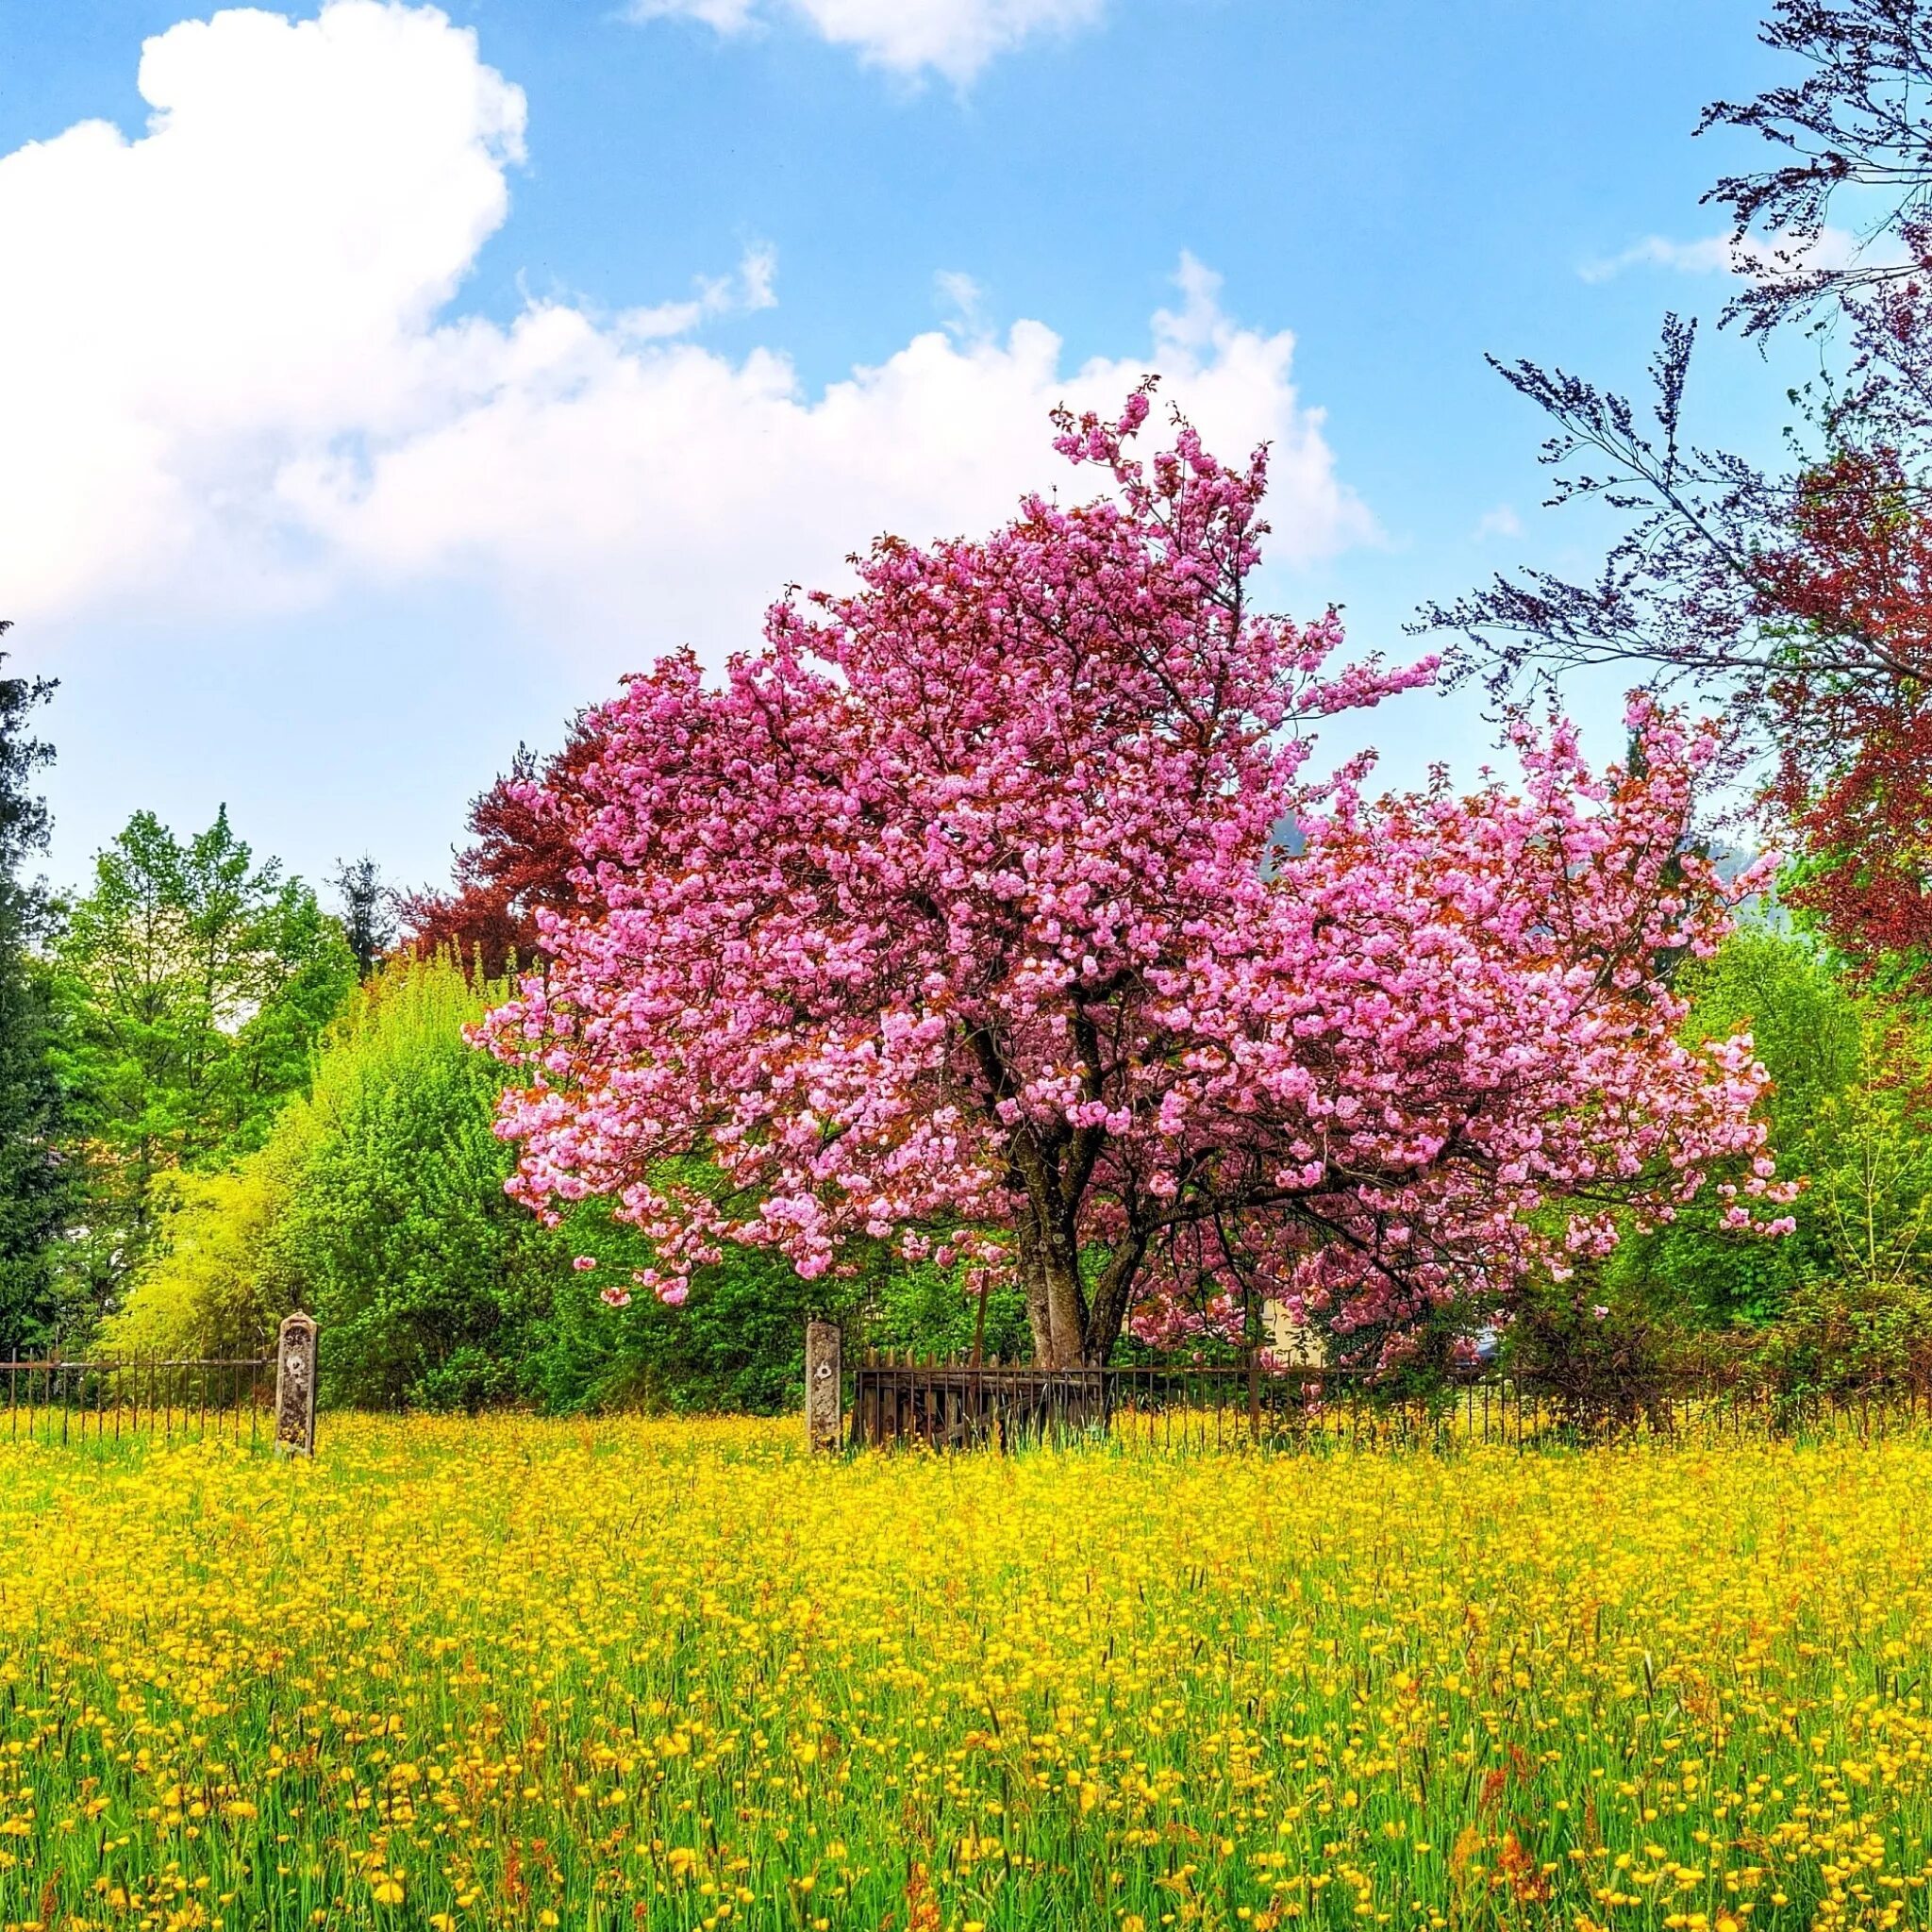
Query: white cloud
(962, 302)
(651, 497)
(956, 38)
(1721, 255)
(1501, 522)
(753, 288)
(262, 269)
(229, 384)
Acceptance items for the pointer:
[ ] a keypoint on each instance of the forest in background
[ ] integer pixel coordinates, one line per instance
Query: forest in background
(220, 1100)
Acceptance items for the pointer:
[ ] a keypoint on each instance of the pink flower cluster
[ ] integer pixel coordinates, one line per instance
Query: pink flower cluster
(962, 916)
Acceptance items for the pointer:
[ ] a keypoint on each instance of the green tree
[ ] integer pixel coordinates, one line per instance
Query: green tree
(1845, 1300)
(211, 1289)
(1860, 1314)
(377, 1202)
(367, 911)
(36, 1184)
(398, 1235)
(1811, 1026)
(193, 984)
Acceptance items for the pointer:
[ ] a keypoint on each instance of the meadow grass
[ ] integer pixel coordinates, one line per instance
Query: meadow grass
(516, 1672)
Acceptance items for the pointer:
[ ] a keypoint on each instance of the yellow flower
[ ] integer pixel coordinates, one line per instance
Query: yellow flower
(513, 1662)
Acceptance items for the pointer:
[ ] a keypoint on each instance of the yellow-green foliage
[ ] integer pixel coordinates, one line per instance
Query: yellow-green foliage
(399, 1236)
(376, 1203)
(214, 1290)
(379, 1205)
(512, 1674)
(1847, 1116)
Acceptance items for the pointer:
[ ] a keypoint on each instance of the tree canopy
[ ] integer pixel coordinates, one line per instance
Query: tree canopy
(192, 983)
(958, 917)
(37, 1193)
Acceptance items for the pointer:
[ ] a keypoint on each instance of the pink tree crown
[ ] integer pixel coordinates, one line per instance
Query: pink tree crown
(961, 916)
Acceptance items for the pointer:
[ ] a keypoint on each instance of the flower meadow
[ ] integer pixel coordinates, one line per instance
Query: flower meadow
(512, 1673)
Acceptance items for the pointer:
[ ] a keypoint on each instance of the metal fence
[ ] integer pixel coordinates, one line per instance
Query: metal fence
(56, 1401)
(959, 1405)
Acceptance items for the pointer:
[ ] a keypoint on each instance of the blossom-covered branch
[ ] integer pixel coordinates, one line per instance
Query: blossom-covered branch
(961, 916)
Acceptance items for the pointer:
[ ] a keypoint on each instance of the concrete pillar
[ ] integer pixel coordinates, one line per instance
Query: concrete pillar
(825, 1388)
(295, 1387)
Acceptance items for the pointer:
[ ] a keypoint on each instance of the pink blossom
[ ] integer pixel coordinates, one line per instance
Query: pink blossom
(957, 916)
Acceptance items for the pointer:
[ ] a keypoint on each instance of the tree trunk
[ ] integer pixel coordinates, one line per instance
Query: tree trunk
(1112, 1294)
(1056, 1303)
(1068, 1331)
(1050, 1272)
(1033, 1285)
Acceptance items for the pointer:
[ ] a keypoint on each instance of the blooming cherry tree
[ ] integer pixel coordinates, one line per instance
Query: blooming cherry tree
(994, 910)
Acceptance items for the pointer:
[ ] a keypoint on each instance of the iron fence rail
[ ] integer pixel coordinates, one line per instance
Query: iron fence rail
(963, 1405)
(98, 1400)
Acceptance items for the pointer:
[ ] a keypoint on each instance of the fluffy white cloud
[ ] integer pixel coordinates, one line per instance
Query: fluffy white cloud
(262, 271)
(956, 38)
(229, 381)
(662, 495)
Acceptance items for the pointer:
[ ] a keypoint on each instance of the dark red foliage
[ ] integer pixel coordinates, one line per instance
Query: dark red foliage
(519, 862)
(1854, 770)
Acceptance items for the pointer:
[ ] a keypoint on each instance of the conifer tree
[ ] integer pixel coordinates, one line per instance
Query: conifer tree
(34, 1183)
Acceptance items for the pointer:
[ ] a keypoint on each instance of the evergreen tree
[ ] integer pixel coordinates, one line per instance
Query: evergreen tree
(368, 923)
(35, 1190)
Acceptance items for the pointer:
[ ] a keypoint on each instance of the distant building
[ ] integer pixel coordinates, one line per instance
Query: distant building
(1290, 1340)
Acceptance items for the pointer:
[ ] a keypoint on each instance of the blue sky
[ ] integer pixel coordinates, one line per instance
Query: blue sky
(394, 392)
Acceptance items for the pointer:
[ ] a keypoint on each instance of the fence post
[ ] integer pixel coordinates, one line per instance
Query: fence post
(825, 1387)
(295, 1387)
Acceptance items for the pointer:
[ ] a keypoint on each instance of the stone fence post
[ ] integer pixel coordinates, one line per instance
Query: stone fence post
(825, 1388)
(295, 1387)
